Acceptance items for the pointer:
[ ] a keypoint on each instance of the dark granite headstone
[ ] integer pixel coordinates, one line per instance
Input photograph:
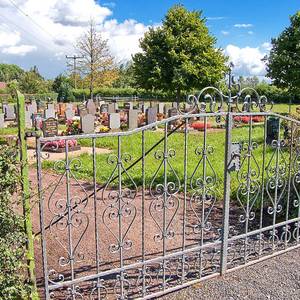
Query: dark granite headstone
(50, 127)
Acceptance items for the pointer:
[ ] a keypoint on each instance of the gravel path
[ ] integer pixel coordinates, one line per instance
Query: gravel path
(276, 278)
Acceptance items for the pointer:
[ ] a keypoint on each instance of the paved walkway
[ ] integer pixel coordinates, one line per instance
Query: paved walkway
(275, 279)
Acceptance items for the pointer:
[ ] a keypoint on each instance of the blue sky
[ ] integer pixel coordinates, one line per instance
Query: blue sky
(42, 32)
(268, 17)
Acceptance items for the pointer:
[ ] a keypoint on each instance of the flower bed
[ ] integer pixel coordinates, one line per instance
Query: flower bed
(201, 125)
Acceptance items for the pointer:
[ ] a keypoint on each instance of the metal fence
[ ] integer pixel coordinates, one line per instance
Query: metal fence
(166, 210)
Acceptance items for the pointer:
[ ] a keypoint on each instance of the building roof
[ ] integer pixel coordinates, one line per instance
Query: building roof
(3, 85)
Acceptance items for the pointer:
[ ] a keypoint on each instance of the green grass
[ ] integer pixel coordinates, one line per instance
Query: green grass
(132, 145)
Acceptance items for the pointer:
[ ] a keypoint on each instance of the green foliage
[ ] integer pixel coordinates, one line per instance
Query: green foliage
(12, 236)
(284, 62)
(126, 76)
(63, 86)
(9, 72)
(32, 82)
(180, 55)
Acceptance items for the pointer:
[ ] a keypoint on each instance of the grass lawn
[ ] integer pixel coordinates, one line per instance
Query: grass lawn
(133, 145)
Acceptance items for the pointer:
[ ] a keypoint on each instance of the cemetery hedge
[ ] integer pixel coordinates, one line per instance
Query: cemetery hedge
(12, 235)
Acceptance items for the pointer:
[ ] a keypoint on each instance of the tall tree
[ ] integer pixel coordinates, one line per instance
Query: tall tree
(9, 72)
(96, 56)
(283, 64)
(180, 55)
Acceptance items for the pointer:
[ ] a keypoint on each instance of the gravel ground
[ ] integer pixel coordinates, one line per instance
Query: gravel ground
(276, 278)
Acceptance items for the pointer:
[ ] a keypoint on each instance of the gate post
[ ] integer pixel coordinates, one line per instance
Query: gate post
(226, 200)
(26, 195)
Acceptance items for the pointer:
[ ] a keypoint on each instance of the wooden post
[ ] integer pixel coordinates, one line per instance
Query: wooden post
(26, 195)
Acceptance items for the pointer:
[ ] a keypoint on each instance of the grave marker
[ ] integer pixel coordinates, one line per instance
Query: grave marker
(10, 112)
(91, 107)
(114, 121)
(1, 120)
(151, 115)
(50, 127)
(133, 118)
(87, 123)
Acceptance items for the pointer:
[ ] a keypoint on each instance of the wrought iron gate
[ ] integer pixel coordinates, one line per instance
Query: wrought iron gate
(166, 210)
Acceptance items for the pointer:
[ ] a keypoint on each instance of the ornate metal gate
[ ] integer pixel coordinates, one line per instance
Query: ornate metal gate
(168, 209)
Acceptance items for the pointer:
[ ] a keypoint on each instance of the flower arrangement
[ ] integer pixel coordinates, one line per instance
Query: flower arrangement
(198, 125)
(73, 127)
(103, 129)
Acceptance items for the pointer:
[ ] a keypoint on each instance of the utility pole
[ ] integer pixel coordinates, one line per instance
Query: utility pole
(74, 58)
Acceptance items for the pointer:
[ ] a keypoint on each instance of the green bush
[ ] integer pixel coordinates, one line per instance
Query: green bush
(12, 235)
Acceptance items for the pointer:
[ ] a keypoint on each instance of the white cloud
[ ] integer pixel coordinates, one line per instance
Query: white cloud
(8, 37)
(247, 61)
(225, 32)
(267, 46)
(51, 28)
(19, 50)
(215, 18)
(243, 25)
(250, 32)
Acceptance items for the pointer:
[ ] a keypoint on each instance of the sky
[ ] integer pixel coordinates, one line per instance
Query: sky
(43, 32)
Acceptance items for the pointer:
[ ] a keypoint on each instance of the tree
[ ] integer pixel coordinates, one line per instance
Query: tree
(125, 76)
(96, 56)
(283, 64)
(10, 72)
(32, 82)
(180, 55)
(63, 86)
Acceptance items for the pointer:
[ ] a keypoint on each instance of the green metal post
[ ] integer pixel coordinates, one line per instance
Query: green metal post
(26, 195)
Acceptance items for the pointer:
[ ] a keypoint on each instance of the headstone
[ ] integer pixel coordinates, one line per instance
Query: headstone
(49, 113)
(69, 114)
(128, 105)
(144, 108)
(172, 112)
(160, 107)
(112, 108)
(133, 118)
(50, 127)
(51, 106)
(9, 112)
(37, 120)
(166, 109)
(28, 118)
(175, 104)
(69, 106)
(273, 127)
(1, 120)
(83, 112)
(91, 107)
(87, 123)
(34, 106)
(114, 121)
(151, 115)
(104, 108)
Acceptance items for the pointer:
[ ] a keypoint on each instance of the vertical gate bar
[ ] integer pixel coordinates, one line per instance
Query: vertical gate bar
(165, 202)
(203, 194)
(276, 187)
(120, 216)
(249, 153)
(289, 184)
(226, 201)
(25, 189)
(42, 223)
(69, 208)
(185, 196)
(262, 186)
(96, 216)
(143, 212)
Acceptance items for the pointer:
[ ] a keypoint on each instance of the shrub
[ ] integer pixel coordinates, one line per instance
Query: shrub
(12, 235)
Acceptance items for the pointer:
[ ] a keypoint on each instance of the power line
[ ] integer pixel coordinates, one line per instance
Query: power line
(33, 21)
(32, 39)
(74, 58)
